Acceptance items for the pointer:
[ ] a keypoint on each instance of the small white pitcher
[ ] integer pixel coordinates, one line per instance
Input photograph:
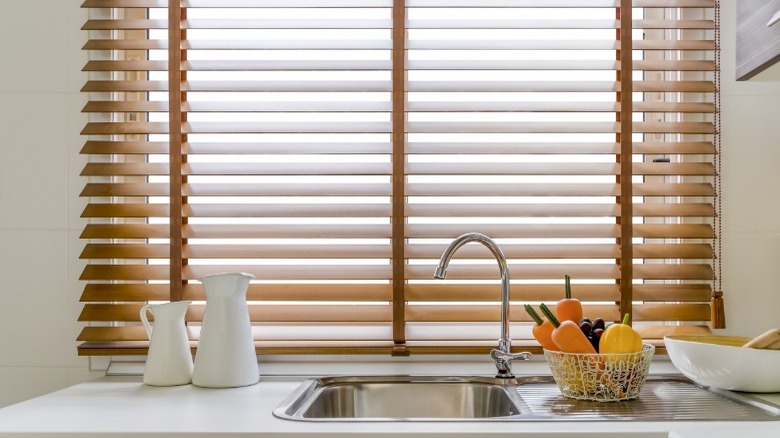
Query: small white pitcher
(169, 361)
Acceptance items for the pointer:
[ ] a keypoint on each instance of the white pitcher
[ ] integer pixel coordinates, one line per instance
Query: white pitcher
(169, 361)
(226, 355)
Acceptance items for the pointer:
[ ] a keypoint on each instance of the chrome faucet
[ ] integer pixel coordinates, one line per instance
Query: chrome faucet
(503, 355)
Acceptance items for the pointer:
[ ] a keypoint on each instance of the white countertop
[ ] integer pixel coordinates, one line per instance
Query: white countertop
(121, 406)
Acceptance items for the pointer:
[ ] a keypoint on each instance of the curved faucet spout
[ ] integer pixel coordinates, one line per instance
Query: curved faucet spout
(502, 356)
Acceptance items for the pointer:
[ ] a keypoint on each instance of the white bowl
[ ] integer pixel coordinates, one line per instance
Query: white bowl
(721, 362)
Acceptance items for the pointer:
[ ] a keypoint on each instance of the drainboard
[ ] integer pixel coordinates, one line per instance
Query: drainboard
(663, 398)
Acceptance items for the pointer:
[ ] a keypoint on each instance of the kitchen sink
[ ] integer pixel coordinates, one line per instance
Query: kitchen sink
(529, 398)
(401, 397)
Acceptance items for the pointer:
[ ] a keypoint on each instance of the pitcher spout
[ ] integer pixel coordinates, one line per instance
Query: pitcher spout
(225, 284)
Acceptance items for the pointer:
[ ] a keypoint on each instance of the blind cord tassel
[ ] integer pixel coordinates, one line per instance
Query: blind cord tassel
(718, 312)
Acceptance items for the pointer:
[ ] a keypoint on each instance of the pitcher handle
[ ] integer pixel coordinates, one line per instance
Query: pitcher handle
(145, 321)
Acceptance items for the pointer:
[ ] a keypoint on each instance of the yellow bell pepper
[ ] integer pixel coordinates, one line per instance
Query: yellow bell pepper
(620, 338)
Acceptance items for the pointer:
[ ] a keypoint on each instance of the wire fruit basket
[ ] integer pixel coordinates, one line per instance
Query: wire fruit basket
(600, 377)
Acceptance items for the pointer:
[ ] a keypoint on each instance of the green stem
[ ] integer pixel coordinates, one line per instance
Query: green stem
(568, 285)
(534, 315)
(549, 315)
(625, 318)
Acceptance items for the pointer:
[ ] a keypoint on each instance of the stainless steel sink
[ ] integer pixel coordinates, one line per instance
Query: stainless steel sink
(401, 397)
(530, 398)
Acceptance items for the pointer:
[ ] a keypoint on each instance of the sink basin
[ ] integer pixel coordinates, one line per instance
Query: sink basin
(401, 397)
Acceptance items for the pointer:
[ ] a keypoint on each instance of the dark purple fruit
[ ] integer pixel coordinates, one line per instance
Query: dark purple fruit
(594, 341)
(597, 332)
(598, 323)
(586, 327)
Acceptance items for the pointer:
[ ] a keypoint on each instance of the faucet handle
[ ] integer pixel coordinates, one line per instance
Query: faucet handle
(504, 360)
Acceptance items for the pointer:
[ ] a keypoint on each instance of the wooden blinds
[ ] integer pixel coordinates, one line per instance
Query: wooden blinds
(334, 148)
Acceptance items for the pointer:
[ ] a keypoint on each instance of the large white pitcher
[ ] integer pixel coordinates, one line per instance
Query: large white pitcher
(226, 355)
(169, 361)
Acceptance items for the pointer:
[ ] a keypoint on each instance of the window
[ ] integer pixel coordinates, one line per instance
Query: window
(334, 148)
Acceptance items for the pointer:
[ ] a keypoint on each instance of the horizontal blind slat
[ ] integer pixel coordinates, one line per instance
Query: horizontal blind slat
(673, 292)
(287, 210)
(124, 272)
(284, 106)
(287, 65)
(106, 44)
(489, 147)
(674, 86)
(495, 106)
(256, 86)
(518, 24)
(115, 169)
(518, 86)
(125, 189)
(124, 251)
(99, 147)
(673, 24)
(687, 147)
(305, 292)
(560, 3)
(585, 230)
(512, 231)
(281, 272)
(554, 210)
(287, 4)
(286, 251)
(672, 272)
(653, 44)
(267, 313)
(512, 168)
(102, 292)
(259, 189)
(513, 127)
(288, 44)
(512, 3)
(444, 313)
(286, 169)
(496, 189)
(553, 251)
(106, 128)
(125, 231)
(586, 189)
(518, 272)
(313, 147)
(511, 44)
(192, 231)
(286, 24)
(125, 210)
(457, 64)
(283, 127)
(673, 312)
(132, 106)
(138, 24)
(94, 66)
(124, 4)
(441, 292)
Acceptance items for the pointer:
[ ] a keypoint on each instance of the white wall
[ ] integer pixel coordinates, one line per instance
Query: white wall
(40, 120)
(39, 205)
(751, 190)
